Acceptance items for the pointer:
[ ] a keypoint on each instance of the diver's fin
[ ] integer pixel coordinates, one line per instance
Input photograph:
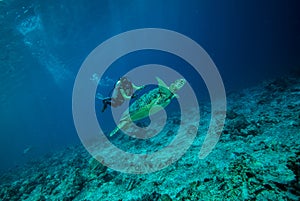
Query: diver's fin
(100, 96)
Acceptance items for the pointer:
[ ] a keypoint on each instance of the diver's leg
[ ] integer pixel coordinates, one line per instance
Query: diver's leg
(104, 107)
(106, 101)
(116, 102)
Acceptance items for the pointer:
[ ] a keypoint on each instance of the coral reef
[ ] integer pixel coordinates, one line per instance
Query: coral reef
(257, 158)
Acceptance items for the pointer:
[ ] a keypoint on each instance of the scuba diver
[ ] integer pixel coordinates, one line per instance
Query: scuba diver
(123, 90)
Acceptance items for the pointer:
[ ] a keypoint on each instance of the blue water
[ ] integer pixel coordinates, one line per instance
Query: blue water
(43, 44)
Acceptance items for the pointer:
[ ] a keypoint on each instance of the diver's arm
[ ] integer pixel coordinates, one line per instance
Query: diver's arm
(124, 94)
(137, 87)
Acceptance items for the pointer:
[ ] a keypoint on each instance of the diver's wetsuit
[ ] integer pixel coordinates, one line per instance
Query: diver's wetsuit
(118, 99)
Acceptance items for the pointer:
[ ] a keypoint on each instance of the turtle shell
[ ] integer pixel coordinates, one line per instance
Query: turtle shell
(142, 106)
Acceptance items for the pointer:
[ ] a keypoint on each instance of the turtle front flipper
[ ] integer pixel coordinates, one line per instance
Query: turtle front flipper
(118, 127)
(162, 86)
(114, 131)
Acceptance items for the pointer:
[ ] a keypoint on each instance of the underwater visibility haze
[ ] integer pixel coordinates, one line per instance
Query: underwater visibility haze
(61, 60)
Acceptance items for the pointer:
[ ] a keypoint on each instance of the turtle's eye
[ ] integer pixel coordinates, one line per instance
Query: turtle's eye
(181, 82)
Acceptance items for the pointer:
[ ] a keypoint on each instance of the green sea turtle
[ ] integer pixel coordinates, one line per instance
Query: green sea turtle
(154, 100)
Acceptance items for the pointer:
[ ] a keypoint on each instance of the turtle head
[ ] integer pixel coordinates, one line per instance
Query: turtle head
(178, 84)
